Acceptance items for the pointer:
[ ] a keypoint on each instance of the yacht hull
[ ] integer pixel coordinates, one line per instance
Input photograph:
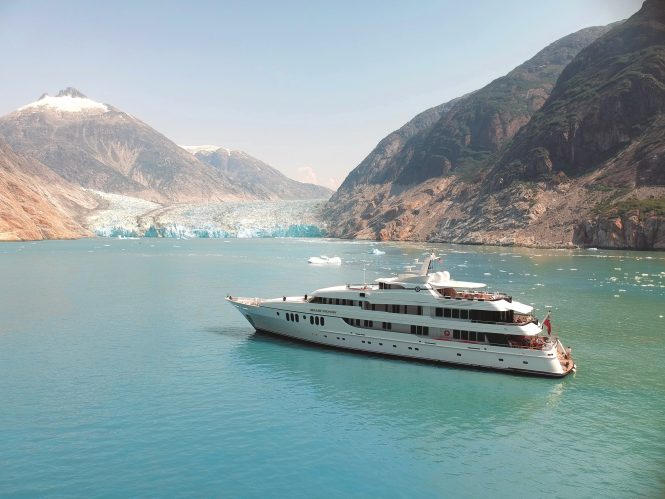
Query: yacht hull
(331, 331)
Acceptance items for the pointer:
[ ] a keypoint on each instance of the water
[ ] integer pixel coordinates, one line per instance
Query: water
(124, 373)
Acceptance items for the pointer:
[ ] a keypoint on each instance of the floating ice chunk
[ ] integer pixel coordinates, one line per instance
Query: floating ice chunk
(324, 260)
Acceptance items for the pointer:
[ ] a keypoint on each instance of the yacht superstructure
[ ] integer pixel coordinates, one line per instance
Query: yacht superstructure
(424, 315)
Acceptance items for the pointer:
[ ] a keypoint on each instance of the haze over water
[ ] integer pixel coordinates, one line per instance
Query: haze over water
(124, 373)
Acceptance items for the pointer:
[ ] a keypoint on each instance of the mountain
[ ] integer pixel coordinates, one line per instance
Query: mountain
(601, 136)
(36, 203)
(256, 177)
(611, 97)
(100, 147)
(453, 140)
(565, 149)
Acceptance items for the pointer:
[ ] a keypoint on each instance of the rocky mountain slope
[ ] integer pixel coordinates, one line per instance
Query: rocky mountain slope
(36, 203)
(100, 147)
(585, 168)
(255, 177)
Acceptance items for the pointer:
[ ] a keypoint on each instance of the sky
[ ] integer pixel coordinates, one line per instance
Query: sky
(309, 87)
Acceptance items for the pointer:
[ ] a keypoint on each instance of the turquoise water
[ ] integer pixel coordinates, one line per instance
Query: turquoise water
(124, 373)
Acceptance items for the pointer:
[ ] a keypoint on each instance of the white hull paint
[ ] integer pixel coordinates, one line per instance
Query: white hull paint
(269, 316)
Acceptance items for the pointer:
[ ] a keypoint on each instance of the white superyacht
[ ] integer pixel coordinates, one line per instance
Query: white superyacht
(425, 316)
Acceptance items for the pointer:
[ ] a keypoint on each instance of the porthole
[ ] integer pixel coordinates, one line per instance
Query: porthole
(363, 341)
(277, 313)
(369, 342)
(410, 348)
(417, 348)
(381, 344)
(525, 362)
(500, 360)
(459, 354)
(394, 346)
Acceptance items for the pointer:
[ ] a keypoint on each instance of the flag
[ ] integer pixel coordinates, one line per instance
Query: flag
(548, 324)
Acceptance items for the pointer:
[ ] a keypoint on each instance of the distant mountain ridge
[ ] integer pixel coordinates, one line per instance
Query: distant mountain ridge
(565, 149)
(255, 177)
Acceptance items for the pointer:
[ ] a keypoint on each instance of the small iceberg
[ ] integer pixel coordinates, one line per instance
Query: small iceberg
(324, 260)
(377, 251)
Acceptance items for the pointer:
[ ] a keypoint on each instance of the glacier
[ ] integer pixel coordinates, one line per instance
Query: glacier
(124, 216)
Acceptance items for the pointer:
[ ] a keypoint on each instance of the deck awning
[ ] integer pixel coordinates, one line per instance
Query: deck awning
(518, 307)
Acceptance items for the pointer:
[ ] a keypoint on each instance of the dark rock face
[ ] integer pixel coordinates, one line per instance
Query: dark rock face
(611, 96)
(259, 179)
(633, 230)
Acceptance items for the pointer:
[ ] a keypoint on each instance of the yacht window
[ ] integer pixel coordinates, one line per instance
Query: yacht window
(456, 334)
(439, 312)
(413, 329)
(420, 310)
(297, 318)
(287, 317)
(465, 335)
(316, 319)
(373, 306)
(322, 321)
(472, 336)
(396, 309)
(464, 314)
(446, 312)
(336, 301)
(311, 319)
(426, 330)
(455, 313)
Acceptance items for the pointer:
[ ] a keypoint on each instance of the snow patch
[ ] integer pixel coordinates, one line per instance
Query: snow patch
(67, 104)
(205, 148)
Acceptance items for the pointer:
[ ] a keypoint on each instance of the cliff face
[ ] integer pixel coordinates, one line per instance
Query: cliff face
(35, 203)
(633, 230)
(589, 151)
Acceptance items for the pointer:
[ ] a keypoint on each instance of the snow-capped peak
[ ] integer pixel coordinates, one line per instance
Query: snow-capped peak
(206, 148)
(68, 100)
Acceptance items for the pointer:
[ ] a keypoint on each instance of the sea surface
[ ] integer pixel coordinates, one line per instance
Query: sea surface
(124, 373)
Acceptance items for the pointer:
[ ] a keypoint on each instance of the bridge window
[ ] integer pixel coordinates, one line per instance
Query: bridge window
(439, 312)
(446, 312)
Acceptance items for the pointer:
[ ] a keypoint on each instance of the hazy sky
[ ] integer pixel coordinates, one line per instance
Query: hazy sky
(310, 87)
